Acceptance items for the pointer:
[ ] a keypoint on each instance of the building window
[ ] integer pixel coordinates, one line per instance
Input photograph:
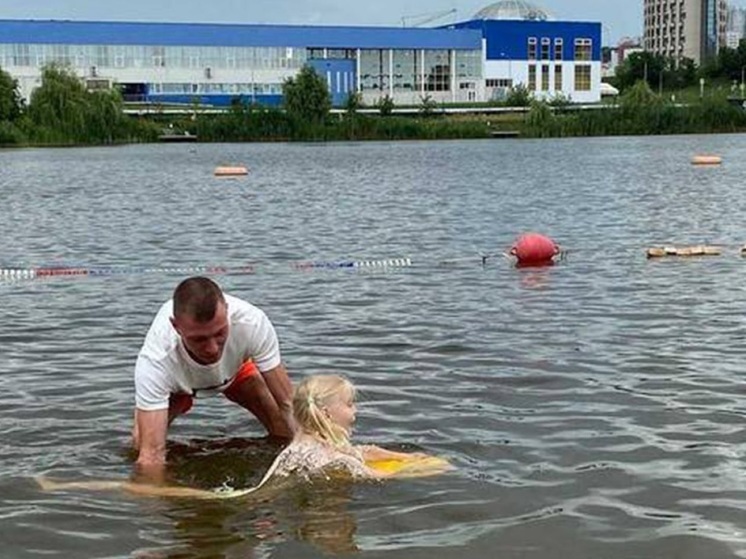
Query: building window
(405, 70)
(532, 77)
(374, 74)
(345, 54)
(119, 57)
(80, 57)
(582, 77)
(159, 56)
(583, 49)
(558, 49)
(61, 54)
(468, 64)
(545, 45)
(498, 83)
(103, 57)
(545, 77)
(558, 77)
(21, 55)
(437, 70)
(532, 48)
(41, 57)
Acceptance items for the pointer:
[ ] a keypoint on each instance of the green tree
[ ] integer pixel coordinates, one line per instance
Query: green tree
(638, 66)
(64, 111)
(540, 120)
(353, 103)
(427, 105)
(519, 96)
(306, 97)
(682, 74)
(385, 105)
(104, 120)
(11, 103)
(638, 97)
(559, 100)
(59, 105)
(729, 63)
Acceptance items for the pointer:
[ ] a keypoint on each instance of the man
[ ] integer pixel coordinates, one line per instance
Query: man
(205, 342)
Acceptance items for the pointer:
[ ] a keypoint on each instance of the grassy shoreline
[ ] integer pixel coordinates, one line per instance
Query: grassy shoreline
(651, 117)
(62, 112)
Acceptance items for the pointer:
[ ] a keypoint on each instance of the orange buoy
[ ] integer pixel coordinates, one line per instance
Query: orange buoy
(533, 249)
(707, 160)
(234, 171)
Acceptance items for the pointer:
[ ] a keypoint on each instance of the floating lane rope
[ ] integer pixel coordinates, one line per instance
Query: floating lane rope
(82, 271)
(63, 271)
(387, 263)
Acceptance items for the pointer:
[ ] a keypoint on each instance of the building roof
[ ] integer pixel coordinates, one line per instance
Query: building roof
(233, 35)
(513, 9)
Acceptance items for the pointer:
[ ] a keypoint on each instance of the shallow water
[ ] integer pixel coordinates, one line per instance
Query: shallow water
(592, 409)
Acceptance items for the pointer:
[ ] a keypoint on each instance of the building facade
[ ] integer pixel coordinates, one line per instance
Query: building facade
(615, 56)
(678, 29)
(550, 58)
(735, 27)
(217, 64)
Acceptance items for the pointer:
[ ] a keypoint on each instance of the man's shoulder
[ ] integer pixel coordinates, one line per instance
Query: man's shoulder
(241, 310)
(161, 337)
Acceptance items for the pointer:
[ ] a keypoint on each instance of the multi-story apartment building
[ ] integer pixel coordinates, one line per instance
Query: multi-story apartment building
(736, 28)
(680, 29)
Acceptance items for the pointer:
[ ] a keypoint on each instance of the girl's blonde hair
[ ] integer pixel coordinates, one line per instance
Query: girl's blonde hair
(310, 397)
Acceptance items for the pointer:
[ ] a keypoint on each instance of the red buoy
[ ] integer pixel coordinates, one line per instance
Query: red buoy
(533, 249)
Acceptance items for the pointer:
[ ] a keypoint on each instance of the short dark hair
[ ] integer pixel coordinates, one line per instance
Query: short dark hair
(198, 298)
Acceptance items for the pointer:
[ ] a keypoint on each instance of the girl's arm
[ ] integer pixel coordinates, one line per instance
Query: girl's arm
(372, 453)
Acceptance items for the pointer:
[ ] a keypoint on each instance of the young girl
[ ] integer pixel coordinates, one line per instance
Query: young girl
(324, 410)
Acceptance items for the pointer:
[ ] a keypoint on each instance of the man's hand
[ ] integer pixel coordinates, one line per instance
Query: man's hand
(149, 438)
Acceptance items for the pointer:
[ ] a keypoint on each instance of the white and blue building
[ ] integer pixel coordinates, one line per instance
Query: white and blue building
(215, 64)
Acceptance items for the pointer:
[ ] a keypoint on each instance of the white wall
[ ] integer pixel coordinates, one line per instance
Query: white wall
(517, 71)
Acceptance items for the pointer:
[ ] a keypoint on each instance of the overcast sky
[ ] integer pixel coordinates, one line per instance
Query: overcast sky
(619, 18)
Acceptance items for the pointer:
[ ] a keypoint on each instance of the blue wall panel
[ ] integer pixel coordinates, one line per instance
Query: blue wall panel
(202, 34)
(508, 39)
(340, 74)
(215, 100)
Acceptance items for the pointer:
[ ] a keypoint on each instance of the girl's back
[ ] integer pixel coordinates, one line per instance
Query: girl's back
(307, 456)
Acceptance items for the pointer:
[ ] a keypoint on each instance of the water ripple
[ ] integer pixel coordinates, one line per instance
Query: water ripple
(591, 409)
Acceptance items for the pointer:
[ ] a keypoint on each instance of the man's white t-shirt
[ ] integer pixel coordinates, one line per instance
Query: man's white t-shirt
(164, 367)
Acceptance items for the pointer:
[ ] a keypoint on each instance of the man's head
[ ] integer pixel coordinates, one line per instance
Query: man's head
(201, 318)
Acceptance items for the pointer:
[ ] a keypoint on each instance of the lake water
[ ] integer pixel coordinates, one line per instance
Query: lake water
(592, 409)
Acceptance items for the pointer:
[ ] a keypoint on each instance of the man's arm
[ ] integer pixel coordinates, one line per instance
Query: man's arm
(149, 438)
(279, 385)
(271, 406)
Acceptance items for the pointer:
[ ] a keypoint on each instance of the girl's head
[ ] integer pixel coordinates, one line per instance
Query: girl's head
(324, 405)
